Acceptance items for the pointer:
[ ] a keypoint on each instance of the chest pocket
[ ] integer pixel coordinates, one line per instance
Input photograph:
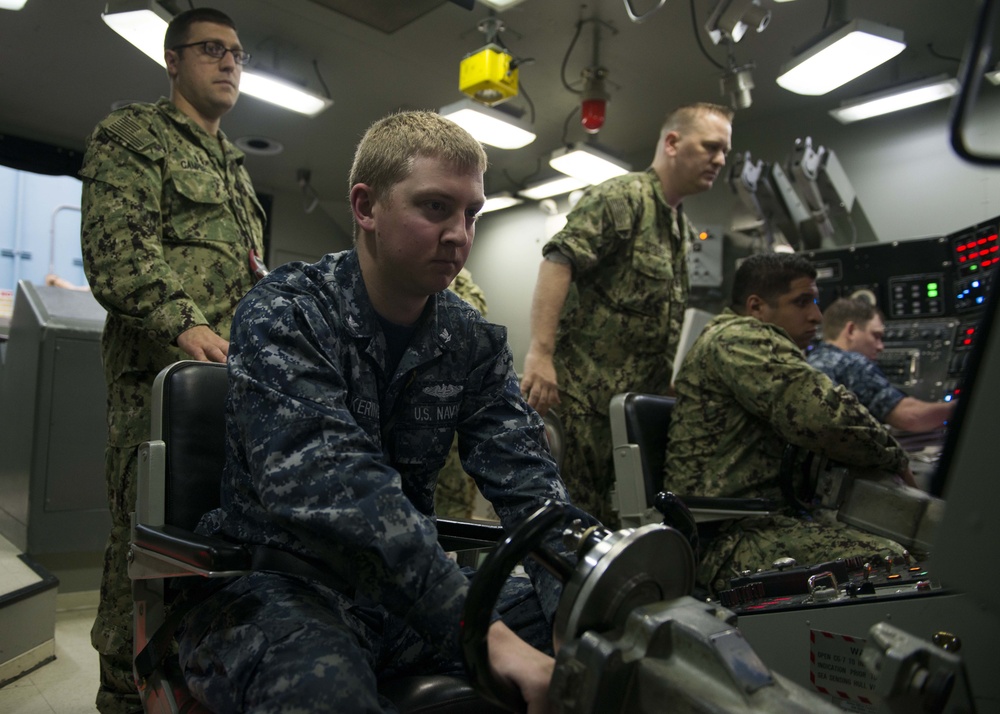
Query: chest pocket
(198, 205)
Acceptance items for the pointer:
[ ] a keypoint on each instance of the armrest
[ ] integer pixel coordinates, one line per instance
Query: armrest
(456, 534)
(711, 508)
(202, 553)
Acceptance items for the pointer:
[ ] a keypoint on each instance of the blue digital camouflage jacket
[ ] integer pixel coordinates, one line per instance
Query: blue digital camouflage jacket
(330, 456)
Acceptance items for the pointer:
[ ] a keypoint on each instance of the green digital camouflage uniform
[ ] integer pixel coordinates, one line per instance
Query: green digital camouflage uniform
(619, 327)
(455, 495)
(744, 392)
(169, 218)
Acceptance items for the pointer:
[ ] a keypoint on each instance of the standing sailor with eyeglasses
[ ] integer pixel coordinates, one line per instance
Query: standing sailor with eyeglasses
(172, 232)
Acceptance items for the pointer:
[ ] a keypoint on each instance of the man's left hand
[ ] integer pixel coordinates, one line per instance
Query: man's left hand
(203, 345)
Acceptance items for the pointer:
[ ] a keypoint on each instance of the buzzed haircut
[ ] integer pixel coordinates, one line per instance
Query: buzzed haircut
(179, 28)
(844, 310)
(386, 152)
(768, 276)
(684, 117)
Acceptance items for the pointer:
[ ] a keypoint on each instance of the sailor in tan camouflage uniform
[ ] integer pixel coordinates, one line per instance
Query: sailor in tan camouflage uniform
(169, 221)
(744, 392)
(615, 283)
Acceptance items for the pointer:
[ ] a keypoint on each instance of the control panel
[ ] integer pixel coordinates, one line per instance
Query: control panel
(843, 580)
(932, 292)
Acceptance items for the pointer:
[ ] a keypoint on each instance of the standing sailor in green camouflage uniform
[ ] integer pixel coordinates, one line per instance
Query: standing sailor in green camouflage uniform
(615, 283)
(744, 392)
(169, 222)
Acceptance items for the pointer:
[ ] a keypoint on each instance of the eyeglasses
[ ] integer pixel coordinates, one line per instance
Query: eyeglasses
(217, 51)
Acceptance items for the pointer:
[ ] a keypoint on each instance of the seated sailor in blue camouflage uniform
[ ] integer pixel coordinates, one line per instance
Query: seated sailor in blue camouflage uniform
(348, 379)
(853, 330)
(744, 392)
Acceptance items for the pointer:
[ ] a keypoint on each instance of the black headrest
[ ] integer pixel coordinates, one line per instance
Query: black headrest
(647, 418)
(193, 429)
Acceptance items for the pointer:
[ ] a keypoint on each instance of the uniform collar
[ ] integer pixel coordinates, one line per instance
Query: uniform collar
(361, 320)
(216, 145)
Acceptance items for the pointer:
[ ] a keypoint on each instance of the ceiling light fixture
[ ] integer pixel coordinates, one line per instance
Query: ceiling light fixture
(731, 19)
(488, 125)
(994, 75)
(12, 4)
(144, 22)
(855, 48)
(552, 187)
(500, 201)
(892, 100)
(587, 163)
(501, 5)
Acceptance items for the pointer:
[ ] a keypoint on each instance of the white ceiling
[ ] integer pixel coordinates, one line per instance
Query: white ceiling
(61, 69)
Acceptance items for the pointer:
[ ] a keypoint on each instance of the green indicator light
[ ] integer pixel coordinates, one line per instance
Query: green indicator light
(973, 267)
(932, 286)
(932, 293)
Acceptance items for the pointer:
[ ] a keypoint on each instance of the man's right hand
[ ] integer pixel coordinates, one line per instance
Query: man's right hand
(203, 345)
(538, 384)
(515, 661)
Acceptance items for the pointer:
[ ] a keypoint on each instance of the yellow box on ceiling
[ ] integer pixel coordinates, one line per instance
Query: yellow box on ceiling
(486, 75)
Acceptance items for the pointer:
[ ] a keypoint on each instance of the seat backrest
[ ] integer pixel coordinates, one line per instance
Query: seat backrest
(189, 403)
(646, 418)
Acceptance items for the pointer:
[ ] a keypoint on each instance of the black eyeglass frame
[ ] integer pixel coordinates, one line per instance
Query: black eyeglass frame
(217, 51)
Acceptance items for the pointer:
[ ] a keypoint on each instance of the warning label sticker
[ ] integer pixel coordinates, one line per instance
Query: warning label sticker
(836, 670)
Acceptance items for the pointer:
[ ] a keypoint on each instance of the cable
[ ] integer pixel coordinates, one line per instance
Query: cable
(697, 36)
(569, 50)
(524, 181)
(531, 105)
(935, 53)
(320, 78)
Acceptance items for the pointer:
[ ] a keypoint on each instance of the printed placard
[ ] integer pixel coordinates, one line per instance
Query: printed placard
(836, 670)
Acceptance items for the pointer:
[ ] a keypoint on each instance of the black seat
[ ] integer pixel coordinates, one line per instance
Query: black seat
(639, 425)
(180, 470)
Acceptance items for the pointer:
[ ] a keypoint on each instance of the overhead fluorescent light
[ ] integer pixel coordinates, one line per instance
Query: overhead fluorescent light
(500, 201)
(892, 100)
(855, 48)
(994, 75)
(144, 23)
(501, 4)
(285, 94)
(552, 187)
(12, 4)
(488, 125)
(586, 163)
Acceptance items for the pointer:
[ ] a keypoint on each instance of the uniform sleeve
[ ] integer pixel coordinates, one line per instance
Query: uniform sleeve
(591, 228)
(872, 388)
(316, 474)
(771, 380)
(121, 236)
(501, 445)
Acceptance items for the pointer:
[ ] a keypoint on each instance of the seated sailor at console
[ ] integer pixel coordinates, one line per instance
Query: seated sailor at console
(744, 392)
(347, 380)
(853, 331)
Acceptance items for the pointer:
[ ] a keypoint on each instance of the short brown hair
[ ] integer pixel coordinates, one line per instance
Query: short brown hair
(180, 26)
(385, 154)
(684, 117)
(844, 310)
